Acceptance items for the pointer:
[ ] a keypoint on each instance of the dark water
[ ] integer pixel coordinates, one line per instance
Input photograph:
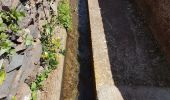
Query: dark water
(78, 81)
(86, 76)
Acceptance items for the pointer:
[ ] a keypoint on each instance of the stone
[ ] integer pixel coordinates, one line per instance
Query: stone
(25, 22)
(34, 31)
(5, 88)
(38, 1)
(31, 61)
(17, 61)
(20, 39)
(20, 47)
(15, 3)
(6, 3)
(24, 92)
(54, 7)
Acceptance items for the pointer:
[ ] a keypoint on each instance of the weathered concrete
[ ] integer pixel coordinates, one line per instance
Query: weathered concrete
(144, 93)
(53, 84)
(106, 90)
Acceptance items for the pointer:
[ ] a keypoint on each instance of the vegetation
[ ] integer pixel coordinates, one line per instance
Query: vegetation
(64, 15)
(9, 31)
(51, 45)
(2, 75)
(9, 27)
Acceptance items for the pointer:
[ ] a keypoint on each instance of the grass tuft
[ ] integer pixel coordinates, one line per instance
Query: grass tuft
(64, 14)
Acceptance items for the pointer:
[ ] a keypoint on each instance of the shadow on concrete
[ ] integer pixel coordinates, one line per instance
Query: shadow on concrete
(135, 56)
(86, 75)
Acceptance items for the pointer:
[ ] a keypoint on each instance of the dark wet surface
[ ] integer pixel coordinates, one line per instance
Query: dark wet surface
(135, 56)
(78, 82)
(86, 76)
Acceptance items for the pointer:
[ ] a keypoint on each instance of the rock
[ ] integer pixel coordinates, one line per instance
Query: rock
(32, 61)
(15, 3)
(15, 83)
(40, 69)
(46, 10)
(54, 6)
(6, 4)
(24, 92)
(20, 47)
(25, 22)
(38, 1)
(17, 61)
(20, 39)
(34, 31)
(5, 88)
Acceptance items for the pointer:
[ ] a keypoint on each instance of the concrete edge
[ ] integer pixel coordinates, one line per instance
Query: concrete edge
(105, 88)
(53, 84)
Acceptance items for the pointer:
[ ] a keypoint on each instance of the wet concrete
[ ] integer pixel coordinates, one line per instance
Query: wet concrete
(78, 81)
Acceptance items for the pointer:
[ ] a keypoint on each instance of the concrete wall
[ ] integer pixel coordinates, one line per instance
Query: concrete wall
(158, 17)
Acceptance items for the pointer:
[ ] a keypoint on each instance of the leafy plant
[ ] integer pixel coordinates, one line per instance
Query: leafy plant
(2, 76)
(8, 24)
(28, 40)
(14, 98)
(5, 44)
(64, 15)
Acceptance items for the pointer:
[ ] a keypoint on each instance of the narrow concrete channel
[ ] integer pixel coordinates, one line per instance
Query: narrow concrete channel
(86, 75)
(78, 79)
(139, 68)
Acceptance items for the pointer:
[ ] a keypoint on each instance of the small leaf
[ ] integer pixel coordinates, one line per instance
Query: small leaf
(34, 95)
(33, 86)
(28, 40)
(14, 98)
(2, 76)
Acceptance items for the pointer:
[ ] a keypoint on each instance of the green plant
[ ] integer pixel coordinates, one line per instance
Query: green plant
(2, 75)
(14, 98)
(64, 15)
(5, 44)
(8, 23)
(48, 58)
(38, 83)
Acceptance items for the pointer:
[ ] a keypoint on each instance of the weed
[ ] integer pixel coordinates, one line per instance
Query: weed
(50, 45)
(2, 75)
(48, 58)
(64, 15)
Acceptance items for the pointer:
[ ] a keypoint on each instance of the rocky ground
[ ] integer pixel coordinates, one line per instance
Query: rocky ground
(23, 66)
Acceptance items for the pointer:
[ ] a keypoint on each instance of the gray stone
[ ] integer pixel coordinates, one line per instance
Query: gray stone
(17, 61)
(31, 61)
(34, 31)
(54, 6)
(25, 22)
(6, 4)
(20, 47)
(5, 88)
